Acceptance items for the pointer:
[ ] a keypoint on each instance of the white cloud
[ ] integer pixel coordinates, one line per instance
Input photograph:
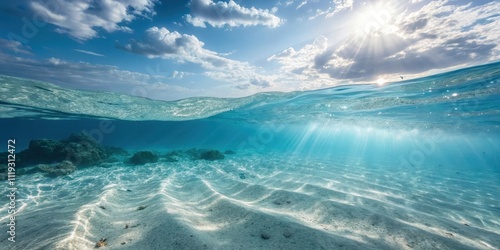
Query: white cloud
(81, 18)
(288, 2)
(301, 62)
(219, 14)
(301, 4)
(336, 6)
(462, 35)
(15, 46)
(88, 52)
(178, 74)
(160, 42)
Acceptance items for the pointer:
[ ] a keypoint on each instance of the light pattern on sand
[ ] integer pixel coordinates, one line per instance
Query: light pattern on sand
(300, 203)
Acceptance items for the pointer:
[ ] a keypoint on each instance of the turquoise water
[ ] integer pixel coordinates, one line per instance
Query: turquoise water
(409, 165)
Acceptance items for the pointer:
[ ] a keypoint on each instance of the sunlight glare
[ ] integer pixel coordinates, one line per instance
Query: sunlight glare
(374, 18)
(381, 82)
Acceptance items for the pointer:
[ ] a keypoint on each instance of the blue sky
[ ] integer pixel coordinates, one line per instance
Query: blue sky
(176, 49)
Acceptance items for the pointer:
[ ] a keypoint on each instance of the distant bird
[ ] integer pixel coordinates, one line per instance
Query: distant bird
(401, 77)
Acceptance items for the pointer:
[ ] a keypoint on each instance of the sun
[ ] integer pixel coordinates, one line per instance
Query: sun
(375, 18)
(381, 81)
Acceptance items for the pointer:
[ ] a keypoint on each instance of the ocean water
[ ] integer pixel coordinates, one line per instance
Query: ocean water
(409, 165)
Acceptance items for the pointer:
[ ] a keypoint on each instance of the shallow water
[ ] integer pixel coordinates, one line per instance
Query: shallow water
(409, 165)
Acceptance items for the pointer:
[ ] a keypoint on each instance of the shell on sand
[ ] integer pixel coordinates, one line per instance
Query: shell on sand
(101, 243)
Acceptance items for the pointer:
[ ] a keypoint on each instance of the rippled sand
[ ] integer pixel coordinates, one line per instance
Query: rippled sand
(259, 202)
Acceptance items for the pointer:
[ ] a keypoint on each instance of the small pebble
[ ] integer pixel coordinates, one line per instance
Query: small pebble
(265, 236)
(287, 234)
(101, 243)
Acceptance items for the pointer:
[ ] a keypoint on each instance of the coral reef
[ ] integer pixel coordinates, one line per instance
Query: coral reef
(79, 148)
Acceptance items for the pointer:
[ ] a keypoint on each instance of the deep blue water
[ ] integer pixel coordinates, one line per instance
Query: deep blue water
(422, 149)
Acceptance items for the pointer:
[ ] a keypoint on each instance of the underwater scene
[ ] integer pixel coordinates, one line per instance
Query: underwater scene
(244, 125)
(410, 165)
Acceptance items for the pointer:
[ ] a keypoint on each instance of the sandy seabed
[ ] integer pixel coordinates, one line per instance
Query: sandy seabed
(258, 202)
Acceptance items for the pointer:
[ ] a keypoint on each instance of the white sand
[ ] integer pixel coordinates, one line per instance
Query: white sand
(297, 204)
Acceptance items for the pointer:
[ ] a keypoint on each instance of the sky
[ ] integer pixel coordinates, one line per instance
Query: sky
(176, 49)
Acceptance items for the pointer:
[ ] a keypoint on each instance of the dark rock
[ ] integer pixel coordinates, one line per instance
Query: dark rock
(80, 149)
(84, 154)
(43, 151)
(265, 236)
(143, 157)
(4, 157)
(111, 150)
(211, 155)
(83, 150)
(204, 154)
(80, 137)
(57, 169)
(229, 152)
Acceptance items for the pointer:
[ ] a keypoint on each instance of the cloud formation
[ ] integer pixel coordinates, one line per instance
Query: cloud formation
(14, 46)
(220, 14)
(301, 62)
(88, 52)
(81, 18)
(404, 43)
(160, 42)
(336, 6)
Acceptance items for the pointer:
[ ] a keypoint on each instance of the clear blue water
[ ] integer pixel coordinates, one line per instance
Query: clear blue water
(422, 154)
